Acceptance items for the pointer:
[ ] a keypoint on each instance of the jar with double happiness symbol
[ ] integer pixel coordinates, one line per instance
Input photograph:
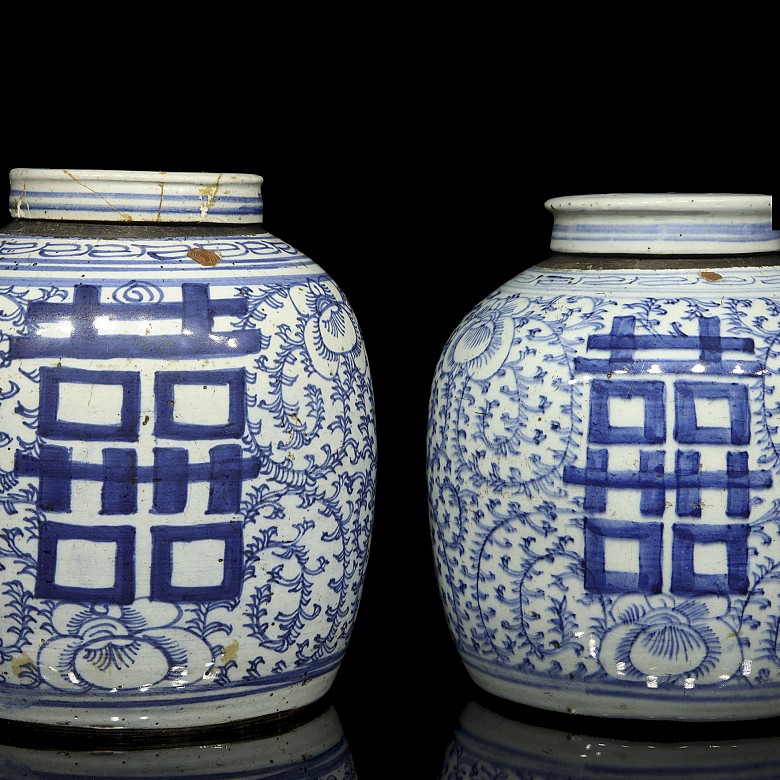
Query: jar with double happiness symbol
(188, 460)
(603, 455)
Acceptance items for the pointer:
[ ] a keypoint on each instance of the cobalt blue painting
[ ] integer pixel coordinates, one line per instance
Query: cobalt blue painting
(188, 480)
(603, 473)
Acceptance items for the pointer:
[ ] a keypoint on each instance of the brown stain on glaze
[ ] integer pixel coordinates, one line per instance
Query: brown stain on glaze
(229, 652)
(204, 257)
(209, 194)
(710, 276)
(21, 663)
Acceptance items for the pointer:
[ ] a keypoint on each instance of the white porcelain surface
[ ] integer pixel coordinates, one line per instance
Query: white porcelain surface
(663, 223)
(187, 467)
(136, 196)
(604, 473)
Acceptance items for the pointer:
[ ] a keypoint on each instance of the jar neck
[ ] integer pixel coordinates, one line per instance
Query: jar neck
(135, 197)
(663, 224)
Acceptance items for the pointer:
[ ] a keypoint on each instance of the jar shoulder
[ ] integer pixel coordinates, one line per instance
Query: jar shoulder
(694, 263)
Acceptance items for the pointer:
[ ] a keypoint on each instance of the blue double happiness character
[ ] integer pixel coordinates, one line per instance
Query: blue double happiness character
(655, 381)
(119, 473)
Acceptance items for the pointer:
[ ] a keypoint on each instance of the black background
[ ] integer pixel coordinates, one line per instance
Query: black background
(414, 167)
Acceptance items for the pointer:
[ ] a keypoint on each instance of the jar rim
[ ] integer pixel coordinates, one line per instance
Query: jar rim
(143, 196)
(131, 175)
(686, 202)
(663, 223)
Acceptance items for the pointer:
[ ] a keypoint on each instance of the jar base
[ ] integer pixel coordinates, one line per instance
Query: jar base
(592, 699)
(105, 715)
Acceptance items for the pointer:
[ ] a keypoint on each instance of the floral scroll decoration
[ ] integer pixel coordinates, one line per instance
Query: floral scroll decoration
(306, 517)
(509, 417)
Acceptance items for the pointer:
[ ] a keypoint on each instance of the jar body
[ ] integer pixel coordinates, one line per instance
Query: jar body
(604, 486)
(188, 474)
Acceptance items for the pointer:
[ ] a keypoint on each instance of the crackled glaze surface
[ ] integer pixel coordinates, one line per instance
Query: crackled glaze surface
(188, 458)
(604, 471)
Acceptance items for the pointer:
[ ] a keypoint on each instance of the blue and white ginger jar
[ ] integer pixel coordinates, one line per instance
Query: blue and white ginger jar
(604, 465)
(188, 459)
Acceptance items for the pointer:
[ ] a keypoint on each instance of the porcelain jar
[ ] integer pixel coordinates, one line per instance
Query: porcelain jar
(188, 455)
(603, 463)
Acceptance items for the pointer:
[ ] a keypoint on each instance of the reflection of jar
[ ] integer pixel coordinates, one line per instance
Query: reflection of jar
(604, 465)
(187, 483)
(314, 747)
(491, 743)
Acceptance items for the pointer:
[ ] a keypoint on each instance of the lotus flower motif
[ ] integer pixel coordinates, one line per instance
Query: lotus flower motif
(330, 332)
(113, 647)
(662, 641)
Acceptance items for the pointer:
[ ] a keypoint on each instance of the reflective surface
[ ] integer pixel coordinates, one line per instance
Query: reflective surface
(447, 735)
(312, 745)
(493, 743)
